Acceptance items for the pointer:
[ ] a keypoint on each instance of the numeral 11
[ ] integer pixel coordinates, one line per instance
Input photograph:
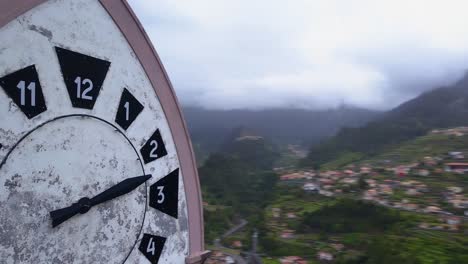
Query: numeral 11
(32, 87)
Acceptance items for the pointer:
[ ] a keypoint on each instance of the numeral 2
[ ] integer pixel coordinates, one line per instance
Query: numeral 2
(154, 148)
(154, 144)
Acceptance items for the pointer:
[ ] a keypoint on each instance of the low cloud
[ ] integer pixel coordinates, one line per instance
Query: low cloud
(307, 54)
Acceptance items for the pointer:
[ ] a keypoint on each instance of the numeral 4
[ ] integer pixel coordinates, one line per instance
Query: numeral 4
(151, 247)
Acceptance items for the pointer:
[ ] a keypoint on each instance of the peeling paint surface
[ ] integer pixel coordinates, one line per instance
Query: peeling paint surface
(72, 157)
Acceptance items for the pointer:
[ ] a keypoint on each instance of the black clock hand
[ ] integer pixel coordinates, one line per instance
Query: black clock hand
(84, 204)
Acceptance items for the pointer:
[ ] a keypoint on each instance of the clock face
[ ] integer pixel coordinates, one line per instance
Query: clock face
(89, 169)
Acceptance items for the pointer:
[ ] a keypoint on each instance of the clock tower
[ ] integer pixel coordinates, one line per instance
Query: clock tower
(96, 164)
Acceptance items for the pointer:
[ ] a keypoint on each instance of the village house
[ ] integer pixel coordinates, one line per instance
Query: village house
(429, 161)
(365, 170)
(291, 215)
(421, 187)
(385, 189)
(326, 181)
(383, 202)
(326, 193)
(456, 155)
(423, 225)
(455, 189)
(401, 171)
(328, 174)
(456, 167)
(370, 194)
(322, 255)
(293, 176)
(349, 173)
(457, 131)
(410, 206)
(453, 220)
(432, 209)
(276, 212)
(287, 234)
(337, 246)
(458, 203)
(292, 260)
(371, 182)
(310, 187)
(217, 257)
(412, 192)
(409, 183)
(349, 180)
(236, 244)
(423, 172)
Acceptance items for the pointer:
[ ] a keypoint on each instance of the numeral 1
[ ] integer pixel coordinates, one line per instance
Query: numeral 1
(32, 87)
(127, 110)
(83, 95)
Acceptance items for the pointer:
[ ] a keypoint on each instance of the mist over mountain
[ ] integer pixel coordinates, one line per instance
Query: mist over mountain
(211, 128)
(439, 108)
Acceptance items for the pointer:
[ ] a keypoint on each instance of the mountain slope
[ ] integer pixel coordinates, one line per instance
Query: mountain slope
(439, 108)
(210, 128)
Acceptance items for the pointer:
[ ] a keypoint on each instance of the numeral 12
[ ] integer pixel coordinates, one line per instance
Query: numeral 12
(83, 95)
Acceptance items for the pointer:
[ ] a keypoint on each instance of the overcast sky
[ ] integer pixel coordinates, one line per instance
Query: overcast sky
(305, 53)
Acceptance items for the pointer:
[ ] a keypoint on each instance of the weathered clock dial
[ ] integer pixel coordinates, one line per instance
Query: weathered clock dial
(95, 161)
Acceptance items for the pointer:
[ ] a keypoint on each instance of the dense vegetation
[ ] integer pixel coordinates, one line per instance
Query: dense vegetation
(443, 107)
(348, 215)
(229, 181)
(237, 183)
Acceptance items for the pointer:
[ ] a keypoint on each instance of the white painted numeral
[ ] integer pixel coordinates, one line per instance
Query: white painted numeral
(153, 154)
(151, 247)
(127, 110)
(83, 95)
(32, 87)
(161, 196)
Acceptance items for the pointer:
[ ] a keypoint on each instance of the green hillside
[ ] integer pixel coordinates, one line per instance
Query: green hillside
(439, 108)
(431, 145)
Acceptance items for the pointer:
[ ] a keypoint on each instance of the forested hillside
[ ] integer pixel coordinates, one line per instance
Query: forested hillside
(439, 108)
(209, 128)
